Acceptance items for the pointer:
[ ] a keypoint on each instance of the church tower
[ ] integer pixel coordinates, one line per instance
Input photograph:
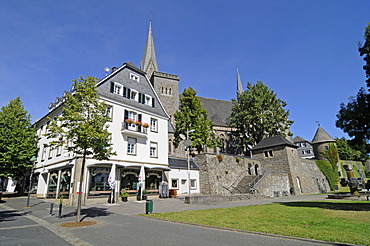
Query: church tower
(165, 85)
(239, 85)
(149, 62)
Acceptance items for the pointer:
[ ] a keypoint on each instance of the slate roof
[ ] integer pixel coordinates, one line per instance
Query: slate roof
(299, 139)
(122, 76)
(273, 142)
(219, 111)
(177, 163)
(321, 136)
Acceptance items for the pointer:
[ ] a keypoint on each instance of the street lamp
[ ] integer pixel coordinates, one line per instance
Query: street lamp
(33, 160)
(189, 143)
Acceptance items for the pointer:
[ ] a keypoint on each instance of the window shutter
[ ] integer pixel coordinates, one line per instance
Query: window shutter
(153, 105)
(126, 114)
(140, 98)
(143, 99)
(139, 118)
(128, 93)
(112, 87)
(124, 91)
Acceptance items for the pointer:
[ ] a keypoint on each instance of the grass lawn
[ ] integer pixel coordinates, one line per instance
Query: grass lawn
(344, 221)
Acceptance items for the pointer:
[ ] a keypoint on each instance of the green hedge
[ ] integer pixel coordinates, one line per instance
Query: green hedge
(327, 169)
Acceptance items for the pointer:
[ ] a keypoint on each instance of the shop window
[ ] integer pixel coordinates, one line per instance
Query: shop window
(130, 180)
(99, 182)
(52, 187)
(65, 182)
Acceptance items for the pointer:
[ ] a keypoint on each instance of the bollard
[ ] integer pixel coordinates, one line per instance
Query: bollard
(60, 211)
(51, 209)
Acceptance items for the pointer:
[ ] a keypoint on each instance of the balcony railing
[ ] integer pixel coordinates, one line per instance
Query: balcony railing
(133, 129)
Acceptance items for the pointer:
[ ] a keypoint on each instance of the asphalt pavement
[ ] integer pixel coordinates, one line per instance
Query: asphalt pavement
(119, 224)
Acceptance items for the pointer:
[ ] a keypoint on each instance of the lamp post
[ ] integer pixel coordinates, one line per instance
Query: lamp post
(189, 143)
(33, 160)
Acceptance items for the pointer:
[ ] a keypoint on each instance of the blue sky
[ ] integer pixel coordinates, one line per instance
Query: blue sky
(306, 51)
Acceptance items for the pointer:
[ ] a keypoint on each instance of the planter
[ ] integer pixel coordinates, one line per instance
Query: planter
(124, 199)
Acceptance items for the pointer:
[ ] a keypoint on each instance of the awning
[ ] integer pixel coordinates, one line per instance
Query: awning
(128, 165)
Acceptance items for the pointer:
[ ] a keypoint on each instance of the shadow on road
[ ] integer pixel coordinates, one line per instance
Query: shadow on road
(331, 205)
(90, 213)
(10, 215)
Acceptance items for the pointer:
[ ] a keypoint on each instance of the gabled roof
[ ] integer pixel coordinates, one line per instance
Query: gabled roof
(219, 111)
(121, 75)
(321, 136)
(273, 142)
(299, 139)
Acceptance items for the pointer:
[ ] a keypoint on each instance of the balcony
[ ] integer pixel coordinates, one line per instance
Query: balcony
(134, 130)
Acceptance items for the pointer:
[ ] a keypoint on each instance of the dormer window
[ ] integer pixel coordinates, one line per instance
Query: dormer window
(134, 95)
(148, 100)
(134, 77)
(117, 89)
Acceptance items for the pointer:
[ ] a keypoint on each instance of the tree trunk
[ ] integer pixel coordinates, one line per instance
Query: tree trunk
(79, 201)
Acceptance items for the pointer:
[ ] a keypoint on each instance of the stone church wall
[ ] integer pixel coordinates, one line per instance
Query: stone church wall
(215, 175)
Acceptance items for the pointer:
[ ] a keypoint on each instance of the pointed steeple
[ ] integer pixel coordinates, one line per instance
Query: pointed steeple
(321, 136)
(149, 62)
(239, 86)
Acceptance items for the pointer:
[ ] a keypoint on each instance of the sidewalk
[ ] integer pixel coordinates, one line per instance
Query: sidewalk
(118, 224)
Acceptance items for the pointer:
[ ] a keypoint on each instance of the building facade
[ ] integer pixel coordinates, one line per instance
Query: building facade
(139, 130)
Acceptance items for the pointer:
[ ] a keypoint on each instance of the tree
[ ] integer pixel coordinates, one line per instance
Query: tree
(82, 124)
(258, 113)
(365, 52)
(192, 116)
(346, 152)
(354, 118)
(18, 140)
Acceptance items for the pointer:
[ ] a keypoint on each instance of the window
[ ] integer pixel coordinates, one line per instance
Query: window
(175, 183)
(51, 150)
(43, 154)
(59, 150)
(153, 149)
(131, 146)
(109, 112)
(134, 77)
(153, 125)
(268, 153)
(132, 115)
(193, 183)
(134, 95)
(148, 100)
(117, 89)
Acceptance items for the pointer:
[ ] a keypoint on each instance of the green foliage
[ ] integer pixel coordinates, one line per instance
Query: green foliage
(18, 140)
(331, 155)
(346, 152)
(191, 115)
(124, 193)
(354, 119)
(327, 169)
(83, 122)
(258, 113)
(365, 52)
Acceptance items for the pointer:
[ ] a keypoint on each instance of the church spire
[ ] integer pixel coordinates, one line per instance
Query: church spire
(239, 86)
(149, 62)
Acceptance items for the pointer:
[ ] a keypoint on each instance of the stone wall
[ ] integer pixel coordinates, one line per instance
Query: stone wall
(274, 184)
(304, 175)
(216, 175)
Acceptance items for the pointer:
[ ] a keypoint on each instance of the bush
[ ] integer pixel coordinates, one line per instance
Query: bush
(327, 169)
